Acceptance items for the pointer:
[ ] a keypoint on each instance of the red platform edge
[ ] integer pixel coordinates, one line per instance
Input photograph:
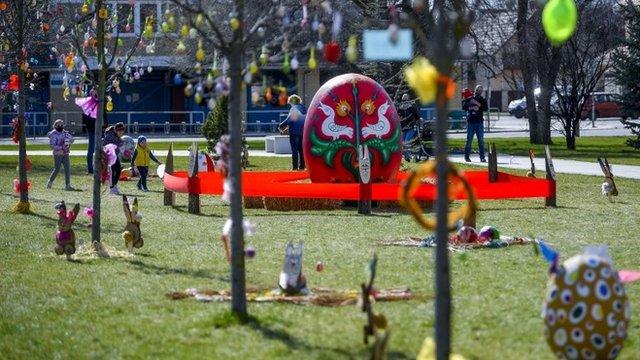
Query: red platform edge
(289, 184)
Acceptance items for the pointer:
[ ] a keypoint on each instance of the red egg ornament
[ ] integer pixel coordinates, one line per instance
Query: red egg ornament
(332, 52)
(347, 112)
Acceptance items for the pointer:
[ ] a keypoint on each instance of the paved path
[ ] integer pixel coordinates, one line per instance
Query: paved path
(504, 161)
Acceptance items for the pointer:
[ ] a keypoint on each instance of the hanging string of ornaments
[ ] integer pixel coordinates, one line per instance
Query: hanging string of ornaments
(76, 80)
(206, 86)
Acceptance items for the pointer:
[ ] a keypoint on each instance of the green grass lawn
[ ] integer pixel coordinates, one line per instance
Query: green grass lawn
(116, 308)
(587, 148)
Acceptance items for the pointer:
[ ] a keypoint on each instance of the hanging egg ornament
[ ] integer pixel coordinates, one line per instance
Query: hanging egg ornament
(332, 52)
(184, 31)
(253, 68)
(286, 64)
(586, 310)
(109, 105)
(352, 51)
(211, 104)
(198, 98)
(234, 23)
(295, 64)
(188, 90)
(119, 42)
(136, 75)
(199, 19)
(193, 33)
(264, 55)
(103, 13)
(559, 19)
(248, 77)
(261, 31)
(200, 55)
(177, 80)
(209, 81)
(312, 64)
(180, 49)
(171, 21)
(149, 69)
(165, 27)
(148, 28)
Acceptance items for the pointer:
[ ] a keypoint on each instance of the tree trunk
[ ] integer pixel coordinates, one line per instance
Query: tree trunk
(22, 145)
(544, 116)
(238, 295)
(97, 154)
(527, 69)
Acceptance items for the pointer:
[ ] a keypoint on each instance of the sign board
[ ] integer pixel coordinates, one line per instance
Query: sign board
(378, 45)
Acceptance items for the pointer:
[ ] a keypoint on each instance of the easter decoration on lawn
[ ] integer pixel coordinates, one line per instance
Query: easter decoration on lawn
(292, 281)
(586, 311)
(127, 148)
(65, 236)
(609, 188)
(376, 323)
(132, 236)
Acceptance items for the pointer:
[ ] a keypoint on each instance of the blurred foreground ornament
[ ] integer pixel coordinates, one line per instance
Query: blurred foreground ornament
(422, 77)
(559, 19)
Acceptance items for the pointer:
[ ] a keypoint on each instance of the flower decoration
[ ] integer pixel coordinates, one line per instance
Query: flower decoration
(343, 108)
(422, 77)
(368, 107)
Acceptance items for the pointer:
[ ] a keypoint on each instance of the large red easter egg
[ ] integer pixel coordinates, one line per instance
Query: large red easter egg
(348, 111)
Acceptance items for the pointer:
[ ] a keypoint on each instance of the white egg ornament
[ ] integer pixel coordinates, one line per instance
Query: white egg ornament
(586, 311)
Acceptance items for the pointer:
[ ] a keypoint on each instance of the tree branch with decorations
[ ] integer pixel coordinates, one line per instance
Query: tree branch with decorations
(24, 32)
(96, 63)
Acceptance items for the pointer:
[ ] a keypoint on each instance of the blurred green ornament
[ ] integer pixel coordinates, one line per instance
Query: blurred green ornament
(559, 19)
(286, 64)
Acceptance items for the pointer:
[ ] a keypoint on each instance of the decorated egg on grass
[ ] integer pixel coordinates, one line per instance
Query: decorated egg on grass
(586, 311)
(467, 234)
(127, 148)
(348, 112)
(488, 233)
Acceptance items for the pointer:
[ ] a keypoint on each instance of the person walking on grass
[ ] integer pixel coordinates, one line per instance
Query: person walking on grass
(60, 141)
(142, 157)
(475, 107)
(295, 123)
(113, 135)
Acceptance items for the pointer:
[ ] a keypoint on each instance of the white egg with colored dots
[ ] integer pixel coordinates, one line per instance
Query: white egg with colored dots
(589, 316)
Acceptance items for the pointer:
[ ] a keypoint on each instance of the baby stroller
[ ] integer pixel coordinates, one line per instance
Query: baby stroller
(420, 146)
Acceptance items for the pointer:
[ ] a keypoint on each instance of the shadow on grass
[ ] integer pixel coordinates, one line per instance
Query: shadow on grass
(184, 209)
(541, 207)
(227, 319)
(165, 270)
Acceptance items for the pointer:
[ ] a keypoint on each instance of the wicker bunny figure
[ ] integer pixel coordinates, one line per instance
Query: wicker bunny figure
(132, 236)
(292, 281)
(65, 237)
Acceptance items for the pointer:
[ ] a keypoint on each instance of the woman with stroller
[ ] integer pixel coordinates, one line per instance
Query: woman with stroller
(409, 118)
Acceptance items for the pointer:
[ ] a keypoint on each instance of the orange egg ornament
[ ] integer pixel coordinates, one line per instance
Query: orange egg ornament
(586, 310)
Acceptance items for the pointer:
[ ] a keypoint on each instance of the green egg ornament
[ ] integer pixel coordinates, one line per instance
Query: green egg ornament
(559, 19)
(586, 311)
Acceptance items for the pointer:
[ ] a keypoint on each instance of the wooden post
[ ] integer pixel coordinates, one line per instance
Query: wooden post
(493, 163)
(551, 176)
(192, 170)
(169, 196)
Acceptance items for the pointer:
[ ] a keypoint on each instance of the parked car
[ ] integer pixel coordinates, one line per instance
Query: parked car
(518, 108)
(601, 105)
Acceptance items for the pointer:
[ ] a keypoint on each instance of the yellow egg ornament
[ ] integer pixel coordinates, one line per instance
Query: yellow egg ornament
(586, 311)
(184, 31)
(312, 64)
(109, 105)
(234, 23)
(200, 55)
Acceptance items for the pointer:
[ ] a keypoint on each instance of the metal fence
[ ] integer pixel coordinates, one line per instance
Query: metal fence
(190, 122)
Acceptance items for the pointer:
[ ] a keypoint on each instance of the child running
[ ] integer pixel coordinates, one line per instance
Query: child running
(142, 157)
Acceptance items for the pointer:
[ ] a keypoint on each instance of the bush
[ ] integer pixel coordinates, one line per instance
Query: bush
(217, 123)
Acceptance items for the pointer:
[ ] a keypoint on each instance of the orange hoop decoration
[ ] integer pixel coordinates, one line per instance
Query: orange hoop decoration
(466, 212)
